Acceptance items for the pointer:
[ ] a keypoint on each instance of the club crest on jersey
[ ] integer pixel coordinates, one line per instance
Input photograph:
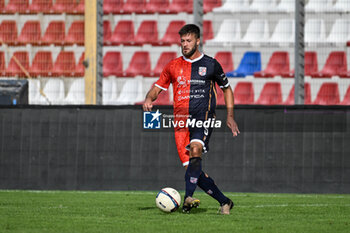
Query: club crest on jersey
(202, 71)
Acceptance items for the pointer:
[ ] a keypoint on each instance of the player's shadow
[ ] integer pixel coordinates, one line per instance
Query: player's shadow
(196, 210)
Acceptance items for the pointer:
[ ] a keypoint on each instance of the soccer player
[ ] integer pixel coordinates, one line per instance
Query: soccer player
(193, 77)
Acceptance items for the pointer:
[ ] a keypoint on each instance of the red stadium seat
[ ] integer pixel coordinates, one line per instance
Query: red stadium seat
(17, 6)
(336, 64)
(208, 33)
(134, 6)
(64, 6)
(14, 69)
(140, 64)
(178, 6)
(112, 64)
(55, 33)
(42, 64)
(346, 100)
(107, 32)
(2, 6)
(220, 98)
(123, 33)
(31, 33)
(2, 64)
(311, 65)
(278, 65)
(64, 64)
(80, 8)
(147, 33)
(112, 6)
(209, 5)
(40, 6)
(328, 94)
(271, 94)
(244, 93)
(75, 34)
(8, 32)
(307, 96)
(163, 60)
(80, 68)
(171, 35)
(345, 74)
(157, 6)
(225, 60)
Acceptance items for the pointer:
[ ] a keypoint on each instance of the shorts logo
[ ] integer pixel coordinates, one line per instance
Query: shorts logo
(202, 71)
(193, 180)
(151, 120)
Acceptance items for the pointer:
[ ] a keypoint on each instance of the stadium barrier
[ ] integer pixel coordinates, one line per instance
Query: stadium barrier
(299, 149)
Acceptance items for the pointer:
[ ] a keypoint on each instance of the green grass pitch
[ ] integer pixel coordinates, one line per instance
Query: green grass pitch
(119, 211)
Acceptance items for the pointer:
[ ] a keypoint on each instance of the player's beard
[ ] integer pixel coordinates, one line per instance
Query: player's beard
(190, 53)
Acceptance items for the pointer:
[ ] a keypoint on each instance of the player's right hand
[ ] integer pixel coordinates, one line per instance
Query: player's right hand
(147, 106)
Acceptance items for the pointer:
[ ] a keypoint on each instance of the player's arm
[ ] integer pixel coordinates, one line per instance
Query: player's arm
(151, 96)
(229, 101)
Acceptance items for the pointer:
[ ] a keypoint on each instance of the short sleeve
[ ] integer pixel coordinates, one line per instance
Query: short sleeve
(220, 76)
(165, 78)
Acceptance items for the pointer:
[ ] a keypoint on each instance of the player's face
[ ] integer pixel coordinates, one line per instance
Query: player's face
(189, 44)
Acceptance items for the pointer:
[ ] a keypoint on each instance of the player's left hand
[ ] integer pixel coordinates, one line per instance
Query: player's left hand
(231, 123)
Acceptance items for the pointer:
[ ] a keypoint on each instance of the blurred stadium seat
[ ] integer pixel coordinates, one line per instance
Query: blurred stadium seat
(346, 99)
(336, 65)
(76, 92)
(55, 33)
(257, 32)
(8, 32)
(284, 32)
(319, 6)
(140, 64)
(13, 69)
(64, 6)
(123, 33)
(271, 94)
(208, 33)
(54, 90)
(42, 64)
(80, 68)
(163, 60)
(2, 64)
(80, 8)
(233, 6)
(107, 32)
(342, 6)
(75, 34)
(171, 35)
(178, 6)
(250, 63)
(40, 6)
(17, 6)
(64, 64)
(244, 93)
(310, 65)
(328, 94)
(112, 6)
(225, 60)
(315, 31)
(287, 6)
(263, 6)
(340, 31)
(157, 6)
(229, 32)
(30, 34)
(307, 96)
(133, 6)
(278, 65)
(112, 64)
(209, 5)
(147, 33)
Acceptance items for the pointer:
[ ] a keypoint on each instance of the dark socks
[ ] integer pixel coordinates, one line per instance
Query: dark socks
(207, 184)
(193, 172)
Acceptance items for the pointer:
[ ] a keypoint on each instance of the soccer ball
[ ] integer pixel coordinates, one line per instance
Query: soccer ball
(168, 200)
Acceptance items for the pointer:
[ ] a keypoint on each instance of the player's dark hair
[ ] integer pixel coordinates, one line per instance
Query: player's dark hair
(190, 29)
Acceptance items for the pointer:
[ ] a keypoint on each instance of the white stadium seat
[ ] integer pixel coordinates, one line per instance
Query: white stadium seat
(340, 32)
(342, 6)
(110, 92)
(229, 32)
(54, 90)
(286, 6)
(234, 6)
(263, 6)
(257, 32)
(319, 6)
(315, 31)
(284, 32)
(76, 92)
(131, 91)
